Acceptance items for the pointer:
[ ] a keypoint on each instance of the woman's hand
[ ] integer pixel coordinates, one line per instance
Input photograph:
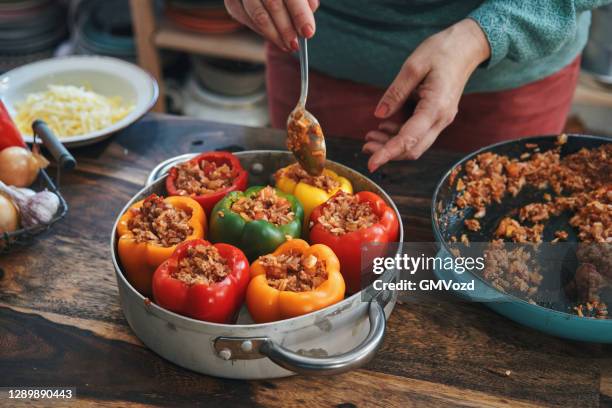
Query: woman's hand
(279, 21)
(437, 72)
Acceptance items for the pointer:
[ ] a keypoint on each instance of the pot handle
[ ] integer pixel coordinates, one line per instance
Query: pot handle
(334, 364)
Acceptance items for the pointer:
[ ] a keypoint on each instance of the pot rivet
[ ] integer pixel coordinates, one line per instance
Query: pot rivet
(257, 168)
(225, 354)
(247, 346)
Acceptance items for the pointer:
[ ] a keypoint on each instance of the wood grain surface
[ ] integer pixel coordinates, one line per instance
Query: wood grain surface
(61, 322)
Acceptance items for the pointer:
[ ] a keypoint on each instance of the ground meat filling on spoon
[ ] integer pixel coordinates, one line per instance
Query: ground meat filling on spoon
(293, 271)
(158, 222)
(203, 264)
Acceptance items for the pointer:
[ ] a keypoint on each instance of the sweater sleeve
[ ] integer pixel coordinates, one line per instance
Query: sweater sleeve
(522, 31)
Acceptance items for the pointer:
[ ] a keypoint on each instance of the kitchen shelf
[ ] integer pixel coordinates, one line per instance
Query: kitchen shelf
(151, 36)
(241, 45)
(592, 93)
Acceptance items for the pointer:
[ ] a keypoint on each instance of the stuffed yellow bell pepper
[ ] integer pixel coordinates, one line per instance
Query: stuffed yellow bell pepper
(310, 191)
(294, 280)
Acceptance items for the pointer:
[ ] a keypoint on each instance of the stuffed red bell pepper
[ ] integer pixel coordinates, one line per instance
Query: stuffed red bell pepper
(207, 178)
(203, 281)
(345, 222)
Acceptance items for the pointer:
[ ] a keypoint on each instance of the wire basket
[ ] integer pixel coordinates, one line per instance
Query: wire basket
(10, 241)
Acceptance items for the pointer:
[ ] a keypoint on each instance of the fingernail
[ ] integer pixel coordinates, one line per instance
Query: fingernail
(372, 165)
(307, 31)
(294, 44)
(381, 110)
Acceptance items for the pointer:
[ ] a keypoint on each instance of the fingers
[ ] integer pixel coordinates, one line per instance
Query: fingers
(402, 145)
(389, 127)
(371, 147)
(236, 10)
(282, 21)
(263, 23)
(277, 20)
(302, 17)
(314, 5)
(377, 136)
(411, 74)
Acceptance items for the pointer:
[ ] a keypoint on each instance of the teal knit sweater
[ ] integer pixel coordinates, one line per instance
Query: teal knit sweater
(367, 41)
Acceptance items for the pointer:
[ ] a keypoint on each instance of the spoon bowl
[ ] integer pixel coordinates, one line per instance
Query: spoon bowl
(305, 140)
(304, 135)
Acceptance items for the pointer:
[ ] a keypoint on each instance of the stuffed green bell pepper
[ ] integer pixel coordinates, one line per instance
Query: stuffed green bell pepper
(257, 220)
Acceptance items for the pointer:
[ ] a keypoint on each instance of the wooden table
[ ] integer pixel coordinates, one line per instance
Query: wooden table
(61, 322)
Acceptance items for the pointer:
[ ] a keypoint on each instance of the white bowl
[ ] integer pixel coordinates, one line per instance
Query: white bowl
(104, 75)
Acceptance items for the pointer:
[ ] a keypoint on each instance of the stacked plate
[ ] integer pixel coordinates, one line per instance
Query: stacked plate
(203, 16)
(105, 28)
(30, 30)
(228, 77)
(246, 110)
(226, 91)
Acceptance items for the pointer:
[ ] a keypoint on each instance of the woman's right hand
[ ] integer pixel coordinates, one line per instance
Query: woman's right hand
(279, 21)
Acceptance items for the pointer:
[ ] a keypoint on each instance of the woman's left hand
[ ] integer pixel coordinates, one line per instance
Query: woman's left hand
(437, 71)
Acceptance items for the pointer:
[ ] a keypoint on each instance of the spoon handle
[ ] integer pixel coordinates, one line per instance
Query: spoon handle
(303, 52)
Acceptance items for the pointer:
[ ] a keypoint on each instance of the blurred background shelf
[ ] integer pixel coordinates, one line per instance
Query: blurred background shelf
(242, 45)
(200, 28)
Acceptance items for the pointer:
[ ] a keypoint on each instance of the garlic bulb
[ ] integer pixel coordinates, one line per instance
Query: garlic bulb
(34, 209)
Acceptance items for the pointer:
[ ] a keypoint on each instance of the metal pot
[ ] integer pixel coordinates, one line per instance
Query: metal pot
(332, 340)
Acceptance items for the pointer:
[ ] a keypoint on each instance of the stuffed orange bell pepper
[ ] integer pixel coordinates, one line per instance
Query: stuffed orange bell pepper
(150, 231)
(310, 191)
(294, 280)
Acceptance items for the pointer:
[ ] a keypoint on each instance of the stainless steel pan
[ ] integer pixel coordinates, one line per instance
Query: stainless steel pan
(332, 340)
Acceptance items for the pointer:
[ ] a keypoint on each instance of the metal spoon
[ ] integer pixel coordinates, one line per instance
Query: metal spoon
(304, 135)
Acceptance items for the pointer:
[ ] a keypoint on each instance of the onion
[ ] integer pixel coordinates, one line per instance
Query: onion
(9, 218)
(19, 167)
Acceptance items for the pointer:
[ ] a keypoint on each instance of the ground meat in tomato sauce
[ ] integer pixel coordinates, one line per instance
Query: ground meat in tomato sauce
(488, 177)
(158, 222)
(343, 213)
(472, 224)
(581, 184)
(293, 271)
(512, 230)
(296, 173)
(511, 270)
(593, 219)
(202, 178)
(202, 264)
(265, 205)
